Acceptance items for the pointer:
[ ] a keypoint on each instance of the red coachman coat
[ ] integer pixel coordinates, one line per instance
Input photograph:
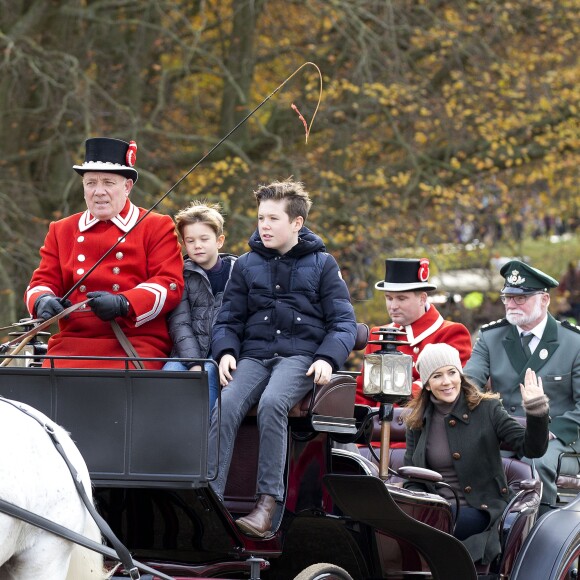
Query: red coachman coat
(146, 268)
(429, 328)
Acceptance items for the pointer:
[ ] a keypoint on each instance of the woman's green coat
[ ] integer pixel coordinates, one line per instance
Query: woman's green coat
(474, 443)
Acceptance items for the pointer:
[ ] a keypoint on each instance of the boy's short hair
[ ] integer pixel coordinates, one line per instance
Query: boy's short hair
(199, 211)
(298, 201)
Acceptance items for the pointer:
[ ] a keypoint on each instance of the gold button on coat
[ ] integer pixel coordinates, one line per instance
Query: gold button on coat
(452, 422)
(456, 455)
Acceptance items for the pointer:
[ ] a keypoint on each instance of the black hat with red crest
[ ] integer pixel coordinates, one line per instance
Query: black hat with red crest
(404, 275)
(113, 155)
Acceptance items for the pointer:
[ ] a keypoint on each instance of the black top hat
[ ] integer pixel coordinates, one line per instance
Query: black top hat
(403, 275)
(114, 155)
(520, 278)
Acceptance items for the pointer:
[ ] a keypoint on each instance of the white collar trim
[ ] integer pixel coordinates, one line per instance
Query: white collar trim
(413, 340)
(87, 221)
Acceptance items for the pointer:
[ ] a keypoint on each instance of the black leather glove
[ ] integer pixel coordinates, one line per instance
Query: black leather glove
(108, 306)
(47, 305)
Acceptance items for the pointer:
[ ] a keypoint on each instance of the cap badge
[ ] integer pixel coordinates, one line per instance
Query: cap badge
(423, 273)
(515, 279)
(131, 156)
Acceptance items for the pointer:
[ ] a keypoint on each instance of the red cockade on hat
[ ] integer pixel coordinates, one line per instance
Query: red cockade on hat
(131, 156)
(423, 273)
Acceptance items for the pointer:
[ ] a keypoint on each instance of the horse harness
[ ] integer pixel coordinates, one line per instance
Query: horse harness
(120, 551)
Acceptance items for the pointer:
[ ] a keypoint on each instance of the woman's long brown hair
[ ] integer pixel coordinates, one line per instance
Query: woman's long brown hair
(415, 408)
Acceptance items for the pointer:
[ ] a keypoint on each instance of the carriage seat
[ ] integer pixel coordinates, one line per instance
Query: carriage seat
(568, 482)
(398, 429)
(335, 399)
(568, 485)
(397, 441)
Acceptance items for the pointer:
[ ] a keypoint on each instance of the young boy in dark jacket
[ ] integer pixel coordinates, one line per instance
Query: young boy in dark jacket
(286, 320)
(206, 273)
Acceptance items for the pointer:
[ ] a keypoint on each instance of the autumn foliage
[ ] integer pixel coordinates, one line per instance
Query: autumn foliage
(440, 122)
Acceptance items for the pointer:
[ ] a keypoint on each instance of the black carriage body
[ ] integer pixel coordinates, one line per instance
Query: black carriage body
(143, 435)
(133, 428)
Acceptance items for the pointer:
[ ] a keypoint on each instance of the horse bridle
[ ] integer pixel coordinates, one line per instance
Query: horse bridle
(120, 551)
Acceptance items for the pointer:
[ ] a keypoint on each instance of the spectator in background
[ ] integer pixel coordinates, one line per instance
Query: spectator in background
(569, 289)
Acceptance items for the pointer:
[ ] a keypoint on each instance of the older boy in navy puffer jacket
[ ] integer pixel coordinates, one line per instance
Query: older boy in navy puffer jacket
(286, 319)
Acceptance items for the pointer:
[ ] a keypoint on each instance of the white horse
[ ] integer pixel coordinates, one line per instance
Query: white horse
(34, 476)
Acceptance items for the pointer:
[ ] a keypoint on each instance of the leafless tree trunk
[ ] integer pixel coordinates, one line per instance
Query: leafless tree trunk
(239, 63)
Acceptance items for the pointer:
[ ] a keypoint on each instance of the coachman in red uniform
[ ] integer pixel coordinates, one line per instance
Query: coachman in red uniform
(136, 285)
(405, 286)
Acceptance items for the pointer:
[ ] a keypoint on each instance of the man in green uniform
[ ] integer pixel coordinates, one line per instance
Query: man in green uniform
(529, 337)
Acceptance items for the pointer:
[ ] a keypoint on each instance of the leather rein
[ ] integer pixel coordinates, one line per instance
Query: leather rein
(22, 340)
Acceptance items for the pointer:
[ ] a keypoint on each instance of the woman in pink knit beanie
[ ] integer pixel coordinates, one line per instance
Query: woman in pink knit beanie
(456, 429)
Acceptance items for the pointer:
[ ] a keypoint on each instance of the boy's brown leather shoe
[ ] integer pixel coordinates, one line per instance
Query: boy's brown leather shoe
(259, 521)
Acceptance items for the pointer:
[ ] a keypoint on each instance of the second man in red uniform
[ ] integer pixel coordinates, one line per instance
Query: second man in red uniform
(406, 285)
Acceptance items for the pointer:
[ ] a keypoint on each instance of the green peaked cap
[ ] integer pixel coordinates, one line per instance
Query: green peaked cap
(521, 278)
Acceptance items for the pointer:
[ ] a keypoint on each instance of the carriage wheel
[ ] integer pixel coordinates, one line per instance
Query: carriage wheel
(560, 566)
(569, 571)
(323, 571)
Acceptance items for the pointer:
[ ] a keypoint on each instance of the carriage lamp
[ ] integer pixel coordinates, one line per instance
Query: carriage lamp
(388, 379)
(388, 374)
